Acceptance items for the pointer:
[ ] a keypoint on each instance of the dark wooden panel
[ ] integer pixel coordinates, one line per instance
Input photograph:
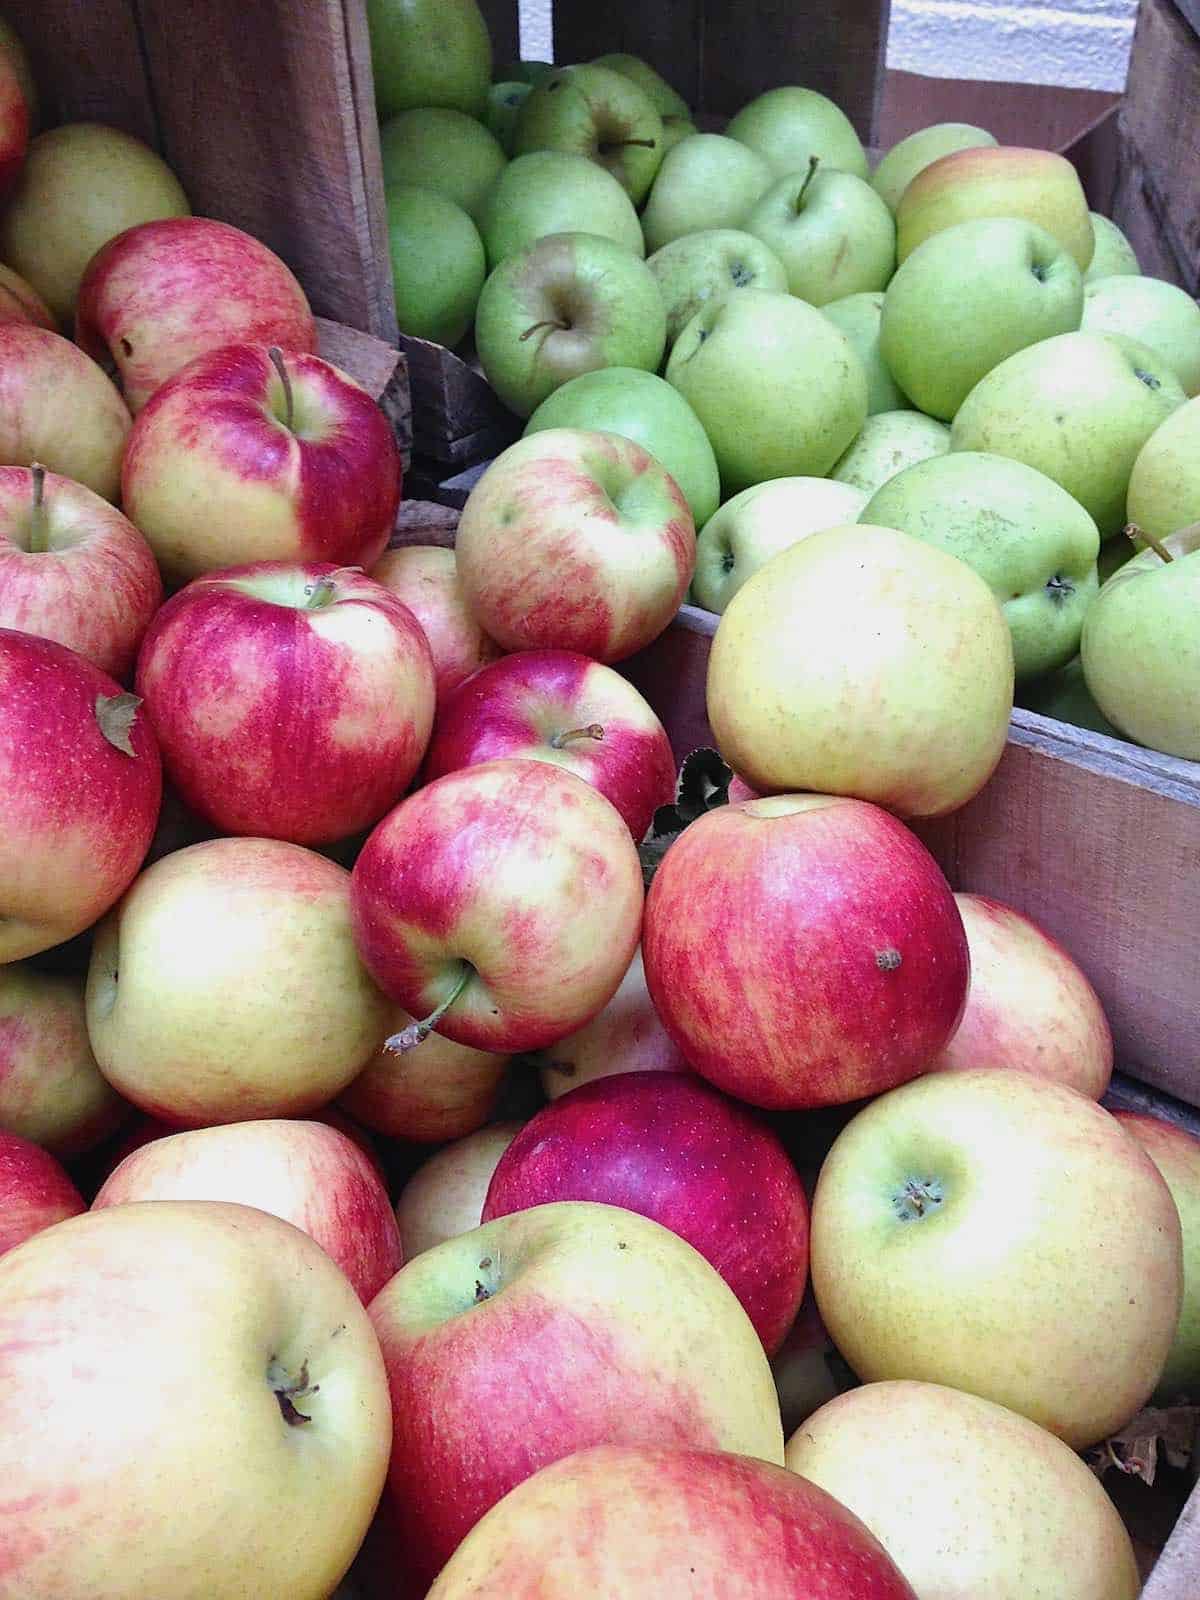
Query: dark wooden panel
(671, 36)
(88, 63)
(502, 19)
(379, 367)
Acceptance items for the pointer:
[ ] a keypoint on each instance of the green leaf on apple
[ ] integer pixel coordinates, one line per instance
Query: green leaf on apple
(116, 714)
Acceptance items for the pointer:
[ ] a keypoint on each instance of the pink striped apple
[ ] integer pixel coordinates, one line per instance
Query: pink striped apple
(35, 1192)
(425, 578)
(291, 700)
(58, 408)
(20, 302)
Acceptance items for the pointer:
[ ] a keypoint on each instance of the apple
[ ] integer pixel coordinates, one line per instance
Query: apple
(108, 1323)
(305, 1172)
(1176, 1154)
(575, 540)
(1077, 407)
(424, 577)
(72, 568)
(627, 1036)
(1164, 486)
(475, 901)
(790, 125)
(568, 304)
(830, 229)
(20, 301)
(445, 1196)
(1026, 1516)
(1029, 1007)
(438, 264)
(668, 1146)
(162, 293)
(665, 100)
(57, 408)
(14, 125)
(912, 154)
(760, 522)
(504, 107)
(440, 1090)
(969, 296)
(551, 191)
(143, 1130)
(1032, 544)
(887, 442)
(1140, 648)
(997, 181)
(564, 708)
(530, 72)
(592, 111)
(804, 1366)
(250, 454)
(778, 389)
(1159, 315)
(443, 150)
(652, 1521)
(323, 654)
(1113, 256)
(964, 1233)
(702, 268)
(540, 1334)
(429, 53)
(82, 184)
(225, 985)
(1064, 695)
(81, 780)
(858, 316)
(705, 182)
(642, 407)
(13, 51)
(804, 950)
(675, 131)
(862, 661)
(35, 1192)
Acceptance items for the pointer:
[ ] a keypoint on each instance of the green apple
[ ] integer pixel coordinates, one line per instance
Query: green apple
(529, 72)
(590, 111)
(1164, 486)
(859, 316)
(657, 90)
(675, 131)
(889, 442)
(969, 296)
(429, 53)
(703, 268)
(504, 104)
(997, 181)
(778, 388)
(1032, 544)
(830, 229)
(1064, 695)
(1113, 256)
(552, 192)
(1141, 647)
(1159, 314)
(790, 125)
(438, 264)
(443, 150)
(646, 409)
(705, 182)
(760, 522)
(919, 150)
(568, 304)
(1077, 407)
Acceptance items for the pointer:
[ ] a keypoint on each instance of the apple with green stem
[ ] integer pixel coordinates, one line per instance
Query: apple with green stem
(1113, 256)
(443, 150)
(900, 165)
(1164, 486)
(790, 125)
(699, 269)
(429, 53)
(888, 442)
(832, 232)
(594, 112)
(859, 316)
(707, 181)
(1160, 315)
(552, 191)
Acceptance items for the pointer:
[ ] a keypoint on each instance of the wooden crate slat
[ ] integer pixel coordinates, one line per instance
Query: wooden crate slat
(87, 61)
(671, 37)
(380, 369)
(1176, 1574)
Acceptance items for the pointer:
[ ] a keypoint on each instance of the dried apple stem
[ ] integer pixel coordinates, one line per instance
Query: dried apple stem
(409, 1038)
(594, 730)
(277, 361)
(38, 531)
(1132, 531)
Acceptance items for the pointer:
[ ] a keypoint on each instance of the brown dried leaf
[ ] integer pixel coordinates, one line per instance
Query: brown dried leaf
(1134, 1449)
(116, 714)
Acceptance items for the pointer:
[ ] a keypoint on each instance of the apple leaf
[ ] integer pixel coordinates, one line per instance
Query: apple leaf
(116, 714)
(1135, 1449)
(703, 786)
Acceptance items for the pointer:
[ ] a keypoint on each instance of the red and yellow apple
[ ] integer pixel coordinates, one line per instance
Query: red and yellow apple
(445, 1195)
(20, 302)
(35, 1192)
(440, 1090)
(425, 578)
(59, 409)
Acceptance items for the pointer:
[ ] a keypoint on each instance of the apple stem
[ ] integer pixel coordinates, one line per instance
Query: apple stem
(813, 163)
(594, 730)
(1132, 531)
(409, 1038)
(37, 516)
(277, 361)
(320, 593)
(537, 327)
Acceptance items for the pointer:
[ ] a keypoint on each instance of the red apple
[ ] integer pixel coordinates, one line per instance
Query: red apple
(81, 783)
(670, 1147)
(248, 454)
(554, 705)
(425, 578)
(305, 1172)
(574, 540)
(35, 1192)
(503, 900)
(58, 408)
(804, 950)
(14, 124)
(445, 1195)
(164, 292)
(440, 1090)
(20, 302)
(292, 701)
(72, 568)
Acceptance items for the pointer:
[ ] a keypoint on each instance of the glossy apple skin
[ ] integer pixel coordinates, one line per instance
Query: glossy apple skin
(79, 814)
(672, 1148)
(424, 577)
(645, 1523)
(20, 302)
(94, 587)
(282, 722)
(164, 292)
(14, 125)
(508, 867)
(35, 1192)
(1029, 1007)
(58, 408)
(522, 704)
(771, 935)
(305, 1172)
(440, 1090)
(214, 477)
